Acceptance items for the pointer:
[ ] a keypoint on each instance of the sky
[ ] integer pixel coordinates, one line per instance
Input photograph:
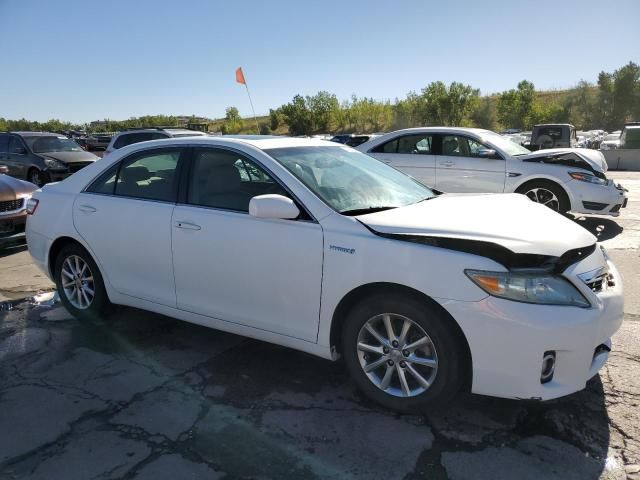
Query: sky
(83, 60)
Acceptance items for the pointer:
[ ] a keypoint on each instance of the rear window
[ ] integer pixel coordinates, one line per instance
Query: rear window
(553, 132)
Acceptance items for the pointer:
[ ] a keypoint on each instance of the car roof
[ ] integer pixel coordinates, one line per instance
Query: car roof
(37, 134)
(263, 142)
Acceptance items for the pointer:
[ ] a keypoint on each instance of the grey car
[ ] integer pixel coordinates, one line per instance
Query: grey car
(41, 157)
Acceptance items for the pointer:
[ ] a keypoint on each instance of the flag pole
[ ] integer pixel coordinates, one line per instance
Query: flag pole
(252, 109)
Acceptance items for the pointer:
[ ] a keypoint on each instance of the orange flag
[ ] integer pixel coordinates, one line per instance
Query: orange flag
(240, 76)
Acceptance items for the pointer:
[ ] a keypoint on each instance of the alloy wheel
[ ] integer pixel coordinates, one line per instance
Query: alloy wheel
(545, 197)
(397, 355)
(77, 282)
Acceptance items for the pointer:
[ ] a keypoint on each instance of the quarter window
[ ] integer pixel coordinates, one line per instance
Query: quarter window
(227, 180)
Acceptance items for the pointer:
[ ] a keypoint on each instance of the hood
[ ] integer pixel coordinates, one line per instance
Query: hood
(510, 221)
(71, 157)
(12, 188)
(593, 158)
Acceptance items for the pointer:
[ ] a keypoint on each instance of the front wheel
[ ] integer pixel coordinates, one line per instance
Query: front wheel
(37, 177)
(546, 193)
(402, 353)
(80, 283)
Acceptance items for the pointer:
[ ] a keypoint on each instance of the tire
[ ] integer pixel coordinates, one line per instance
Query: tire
(38, 177)
(445, 378)
(83, 306)
(538, 191)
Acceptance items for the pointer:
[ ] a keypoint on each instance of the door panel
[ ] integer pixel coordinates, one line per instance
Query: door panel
(125, 218)
(264, 273)
(459, 171)
(132, 241)
(17, 162)
(257, 272)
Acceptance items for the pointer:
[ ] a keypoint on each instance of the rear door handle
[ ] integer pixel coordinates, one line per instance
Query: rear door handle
(187, 225)
(87, 208)
(448, 163)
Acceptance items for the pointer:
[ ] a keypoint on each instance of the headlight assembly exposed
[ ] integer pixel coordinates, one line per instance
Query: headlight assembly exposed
(587, 177)
(528, 287)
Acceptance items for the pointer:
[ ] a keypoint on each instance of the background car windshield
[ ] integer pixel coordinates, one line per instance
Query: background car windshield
(52, 144)
(349, 180)
(504, 144)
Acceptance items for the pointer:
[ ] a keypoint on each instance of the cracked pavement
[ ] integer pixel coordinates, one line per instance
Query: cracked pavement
(140, 395)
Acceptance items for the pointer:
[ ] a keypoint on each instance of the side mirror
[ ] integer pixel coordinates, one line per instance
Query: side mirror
(20, 151)
(273, 206)
(4, 169)
(487, 153)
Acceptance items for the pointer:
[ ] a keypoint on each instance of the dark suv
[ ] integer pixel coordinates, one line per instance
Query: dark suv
(137, 135)
(41, 157)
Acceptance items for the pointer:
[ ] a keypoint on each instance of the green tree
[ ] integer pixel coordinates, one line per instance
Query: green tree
(442, 105)
(322, 107)
(275, 119)
(515, 107)
(298, 116)
(626, 94)
(232, 122)
(264, 129)
(484, 114)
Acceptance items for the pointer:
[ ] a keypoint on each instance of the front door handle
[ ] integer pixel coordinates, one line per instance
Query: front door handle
(187, 225)
(87, 208)
(448, 163)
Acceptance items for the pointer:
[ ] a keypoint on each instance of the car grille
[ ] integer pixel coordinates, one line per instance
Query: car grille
(11, 205)
(74, 167)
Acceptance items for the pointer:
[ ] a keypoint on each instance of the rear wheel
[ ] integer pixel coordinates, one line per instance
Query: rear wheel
(80, 283)
(402, 352)
(547, 193)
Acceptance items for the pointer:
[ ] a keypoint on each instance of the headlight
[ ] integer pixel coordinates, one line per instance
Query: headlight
(587, 177)
(56, 164)
(528, 287)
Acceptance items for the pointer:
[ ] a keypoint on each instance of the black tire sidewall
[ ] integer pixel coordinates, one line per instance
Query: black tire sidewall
(450, 358)
(100, 304)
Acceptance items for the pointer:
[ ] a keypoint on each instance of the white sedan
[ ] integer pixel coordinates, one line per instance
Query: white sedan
(315, 246)
(461, 160)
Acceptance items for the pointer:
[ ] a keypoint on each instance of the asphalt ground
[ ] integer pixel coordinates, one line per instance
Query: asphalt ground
(139, 395)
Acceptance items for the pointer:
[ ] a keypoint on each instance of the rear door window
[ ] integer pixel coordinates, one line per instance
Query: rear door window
(150, 175)
(416, 144)
(4, 143)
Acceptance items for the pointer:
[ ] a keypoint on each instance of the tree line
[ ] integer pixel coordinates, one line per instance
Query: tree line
(607, 104)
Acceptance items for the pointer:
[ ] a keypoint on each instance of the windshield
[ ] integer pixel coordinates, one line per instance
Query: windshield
(52, 144)
(504, 144)
(348, 180)
(612, 136)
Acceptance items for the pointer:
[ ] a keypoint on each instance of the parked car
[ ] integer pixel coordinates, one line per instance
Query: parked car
(463, 160)
(352, 140)
(14, 194)
(554, 136)
(630, 137)
(97, 142)
(41, 157)
(610, 142)
(137, 135)
(316, 246)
